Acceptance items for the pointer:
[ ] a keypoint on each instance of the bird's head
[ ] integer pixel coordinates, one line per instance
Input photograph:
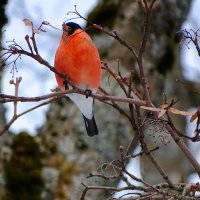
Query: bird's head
(70, 27)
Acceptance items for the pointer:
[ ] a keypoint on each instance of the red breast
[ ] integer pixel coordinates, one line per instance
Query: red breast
(78, 59)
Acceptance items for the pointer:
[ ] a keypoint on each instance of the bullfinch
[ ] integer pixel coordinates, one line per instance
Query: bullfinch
(78, 59)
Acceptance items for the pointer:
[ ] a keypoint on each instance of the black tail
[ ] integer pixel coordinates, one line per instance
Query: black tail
(91, 126)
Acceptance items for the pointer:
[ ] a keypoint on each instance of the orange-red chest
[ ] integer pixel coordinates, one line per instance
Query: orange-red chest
(78, 59)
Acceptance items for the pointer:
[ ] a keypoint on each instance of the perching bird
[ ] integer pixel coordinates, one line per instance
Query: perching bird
(78, 59)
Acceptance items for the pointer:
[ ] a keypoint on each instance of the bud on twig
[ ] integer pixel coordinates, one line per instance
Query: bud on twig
(11, 81)
(19, 79)
(45, 22)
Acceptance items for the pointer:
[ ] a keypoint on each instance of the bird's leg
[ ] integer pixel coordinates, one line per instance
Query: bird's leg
(88, 93)
(65, 83)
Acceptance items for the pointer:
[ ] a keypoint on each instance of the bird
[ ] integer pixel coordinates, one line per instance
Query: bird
(77, 58)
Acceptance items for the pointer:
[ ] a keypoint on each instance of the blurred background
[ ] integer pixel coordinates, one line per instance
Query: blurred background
(53, 137)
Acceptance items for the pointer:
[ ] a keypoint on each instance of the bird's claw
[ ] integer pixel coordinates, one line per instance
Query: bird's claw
(65, 83)
(88, 93)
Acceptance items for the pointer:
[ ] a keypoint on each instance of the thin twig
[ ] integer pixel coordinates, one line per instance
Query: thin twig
(9, 98)
(15, 117)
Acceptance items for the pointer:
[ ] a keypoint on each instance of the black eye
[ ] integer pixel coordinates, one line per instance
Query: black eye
(70, 30)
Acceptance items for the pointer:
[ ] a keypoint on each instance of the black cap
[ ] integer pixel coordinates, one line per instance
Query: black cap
(73, 26)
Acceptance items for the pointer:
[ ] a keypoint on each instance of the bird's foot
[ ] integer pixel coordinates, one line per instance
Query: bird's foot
(88, 93)
(65, 83)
